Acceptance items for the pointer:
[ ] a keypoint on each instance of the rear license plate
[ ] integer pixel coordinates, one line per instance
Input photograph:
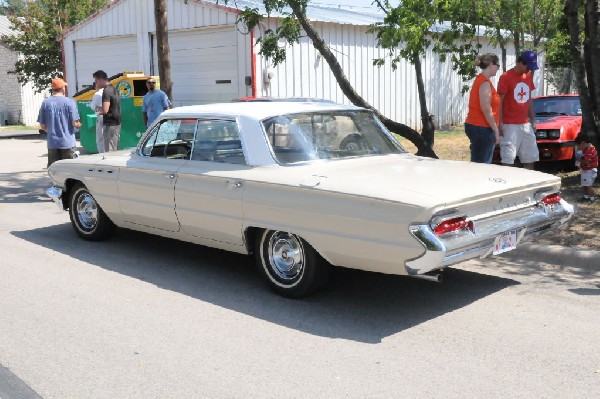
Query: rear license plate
(505, 242)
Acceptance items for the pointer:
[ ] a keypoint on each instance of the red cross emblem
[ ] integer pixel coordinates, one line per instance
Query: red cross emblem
(521, 93)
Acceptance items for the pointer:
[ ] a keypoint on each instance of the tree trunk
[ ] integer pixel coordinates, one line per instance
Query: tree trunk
(517, 44)
(592, 11)
(576, 50)
(162, 47)
(516, 33)
(503, 51)
(346, 87)
(565, 84)
(428, 132)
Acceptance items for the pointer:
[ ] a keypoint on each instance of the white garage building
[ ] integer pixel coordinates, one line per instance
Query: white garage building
(213, 59)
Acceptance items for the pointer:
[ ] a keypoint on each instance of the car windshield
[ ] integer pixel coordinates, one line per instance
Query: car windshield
(327, 135)
(553, 106)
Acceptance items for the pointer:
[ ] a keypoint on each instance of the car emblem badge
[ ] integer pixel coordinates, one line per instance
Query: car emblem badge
(497, 180)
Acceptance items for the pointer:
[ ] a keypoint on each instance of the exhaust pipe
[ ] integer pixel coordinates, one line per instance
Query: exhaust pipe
(435, 277)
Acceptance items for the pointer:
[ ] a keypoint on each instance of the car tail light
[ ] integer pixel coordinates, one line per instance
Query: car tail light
(454, 224)
(551, 199)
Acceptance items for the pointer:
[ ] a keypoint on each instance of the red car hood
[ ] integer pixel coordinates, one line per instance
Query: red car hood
(560, 121)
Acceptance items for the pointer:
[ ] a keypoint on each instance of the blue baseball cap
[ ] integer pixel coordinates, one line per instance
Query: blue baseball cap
(530, 59)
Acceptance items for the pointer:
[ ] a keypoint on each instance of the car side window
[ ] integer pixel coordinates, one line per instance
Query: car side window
(218, 140)
(172, 138)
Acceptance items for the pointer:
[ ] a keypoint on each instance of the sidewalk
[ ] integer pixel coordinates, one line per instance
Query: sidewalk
(557, 255)
(9, 134)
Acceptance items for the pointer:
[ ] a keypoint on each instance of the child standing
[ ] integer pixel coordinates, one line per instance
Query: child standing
(587, 156)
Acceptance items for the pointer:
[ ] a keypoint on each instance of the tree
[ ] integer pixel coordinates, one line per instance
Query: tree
(406, 32)
(290, 30)
(12, 7)
(162, 45)
(39, 29)
(522, 23)
(585, 51)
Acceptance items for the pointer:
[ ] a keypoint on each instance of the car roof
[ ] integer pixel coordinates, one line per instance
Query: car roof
(283, 99)
(257, 110)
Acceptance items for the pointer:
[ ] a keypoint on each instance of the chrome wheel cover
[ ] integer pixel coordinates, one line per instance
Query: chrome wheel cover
(87, 211)
(286, 256)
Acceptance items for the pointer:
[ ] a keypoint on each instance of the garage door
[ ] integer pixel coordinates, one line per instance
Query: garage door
(112, 55)
(203, 66)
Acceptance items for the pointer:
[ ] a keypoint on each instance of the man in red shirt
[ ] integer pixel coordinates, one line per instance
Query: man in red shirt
(587, 156)
(517, 128)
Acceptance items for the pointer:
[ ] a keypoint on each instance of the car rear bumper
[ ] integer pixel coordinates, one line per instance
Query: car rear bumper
(528, 223)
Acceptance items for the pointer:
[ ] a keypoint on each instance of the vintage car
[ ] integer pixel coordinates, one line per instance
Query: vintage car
(278, 180)
(558, 122)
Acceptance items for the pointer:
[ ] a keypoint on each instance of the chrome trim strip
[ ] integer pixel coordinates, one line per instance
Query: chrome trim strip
(511, 208)
(55, 194)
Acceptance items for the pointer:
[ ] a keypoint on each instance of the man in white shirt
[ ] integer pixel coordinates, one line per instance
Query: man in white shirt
(96, 105)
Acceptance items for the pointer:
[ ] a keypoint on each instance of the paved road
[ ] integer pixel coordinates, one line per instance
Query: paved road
(144, 317)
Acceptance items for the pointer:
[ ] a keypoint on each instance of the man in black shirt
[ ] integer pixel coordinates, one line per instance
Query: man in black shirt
(111, 111)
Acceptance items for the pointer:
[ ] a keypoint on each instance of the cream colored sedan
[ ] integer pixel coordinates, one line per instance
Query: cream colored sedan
(305, 187)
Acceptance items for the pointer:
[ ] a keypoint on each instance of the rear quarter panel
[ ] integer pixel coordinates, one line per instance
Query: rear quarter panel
(347, 230)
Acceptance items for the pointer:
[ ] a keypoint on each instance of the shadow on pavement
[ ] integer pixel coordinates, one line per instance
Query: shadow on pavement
(27, 186)
(359, 306)
(24, 187)
(586, 291)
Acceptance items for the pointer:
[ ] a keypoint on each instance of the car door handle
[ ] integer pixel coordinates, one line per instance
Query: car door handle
(169, 175)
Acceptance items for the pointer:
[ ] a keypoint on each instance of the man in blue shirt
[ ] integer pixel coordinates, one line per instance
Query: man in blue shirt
(154, 103)
(58, 116)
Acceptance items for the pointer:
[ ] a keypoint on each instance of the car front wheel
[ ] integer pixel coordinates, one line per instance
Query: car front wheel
(291, 266)
(88, 219)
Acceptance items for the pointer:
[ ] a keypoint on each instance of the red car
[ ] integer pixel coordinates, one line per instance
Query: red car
(558, 122)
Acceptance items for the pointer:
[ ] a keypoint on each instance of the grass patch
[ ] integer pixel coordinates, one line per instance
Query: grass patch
(448, 144)
(17, 127)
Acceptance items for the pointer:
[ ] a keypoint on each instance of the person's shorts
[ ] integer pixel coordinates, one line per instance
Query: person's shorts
(588, 177)
(56, 154)
(518, 140)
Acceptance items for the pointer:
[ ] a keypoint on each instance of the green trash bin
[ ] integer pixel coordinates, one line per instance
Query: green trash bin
(132, 87)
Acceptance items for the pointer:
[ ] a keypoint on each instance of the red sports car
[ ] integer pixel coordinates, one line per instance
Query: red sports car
(558, 122)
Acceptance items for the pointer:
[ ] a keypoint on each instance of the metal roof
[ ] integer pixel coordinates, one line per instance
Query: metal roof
(5, 26)
(364, 15)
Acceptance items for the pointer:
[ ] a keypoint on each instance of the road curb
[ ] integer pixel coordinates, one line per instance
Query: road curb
(17, 134)
(558, 255)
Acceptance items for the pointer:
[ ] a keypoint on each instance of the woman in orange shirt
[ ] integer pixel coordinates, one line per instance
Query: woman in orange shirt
(481, 125)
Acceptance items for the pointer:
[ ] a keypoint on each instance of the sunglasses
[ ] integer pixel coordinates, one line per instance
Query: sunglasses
(151, 83)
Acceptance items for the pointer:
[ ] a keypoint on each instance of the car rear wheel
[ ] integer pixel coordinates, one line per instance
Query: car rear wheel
(88, 219)
(291, 266)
